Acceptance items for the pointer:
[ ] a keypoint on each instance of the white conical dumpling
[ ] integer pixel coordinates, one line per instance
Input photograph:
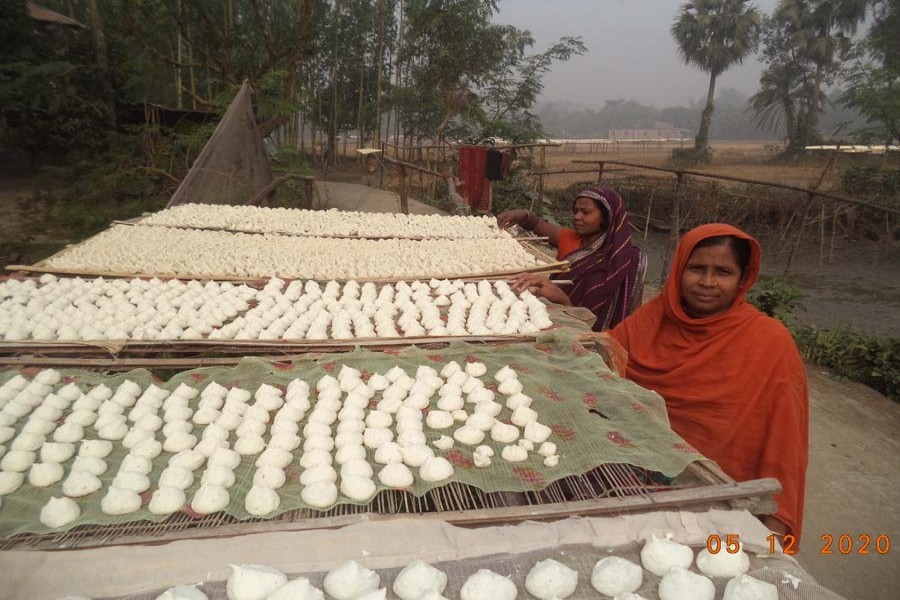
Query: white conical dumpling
(417, 578)
(614, 576)
(253, 582)
(298, 589)
(661, 554)
(487, 585)
(723, 563)
(681, 584)
(550, 579)
(744, 587)
(351, 580)
(183, 592)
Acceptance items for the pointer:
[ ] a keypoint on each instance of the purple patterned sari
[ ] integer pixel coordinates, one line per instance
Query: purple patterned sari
(605, 272)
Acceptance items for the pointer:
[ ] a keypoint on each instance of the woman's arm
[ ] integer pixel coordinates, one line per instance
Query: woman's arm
(540, 286)
(530, 221)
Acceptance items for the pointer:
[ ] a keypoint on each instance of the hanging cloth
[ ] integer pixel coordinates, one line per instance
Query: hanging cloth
(476, 188)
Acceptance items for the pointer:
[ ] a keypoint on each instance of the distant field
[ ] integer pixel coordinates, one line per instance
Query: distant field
(748, 159)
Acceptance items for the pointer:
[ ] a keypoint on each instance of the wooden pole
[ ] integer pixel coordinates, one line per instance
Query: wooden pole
(675, 233)
(404, 192)
(649, 210)
(822, 234)
(810, 198)
(600, 172)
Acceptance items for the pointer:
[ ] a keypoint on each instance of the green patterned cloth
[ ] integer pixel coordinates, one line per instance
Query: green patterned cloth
(596, 418)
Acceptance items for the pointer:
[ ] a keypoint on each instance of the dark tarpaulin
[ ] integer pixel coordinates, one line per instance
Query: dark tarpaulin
(233, 166)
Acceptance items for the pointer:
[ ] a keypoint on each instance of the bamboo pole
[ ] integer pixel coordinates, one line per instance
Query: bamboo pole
(404, 192)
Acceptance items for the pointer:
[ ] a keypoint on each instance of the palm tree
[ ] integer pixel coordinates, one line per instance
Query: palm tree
(713, 35)
(820, 31)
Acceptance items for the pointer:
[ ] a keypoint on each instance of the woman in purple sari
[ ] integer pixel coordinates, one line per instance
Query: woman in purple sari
(605, 267)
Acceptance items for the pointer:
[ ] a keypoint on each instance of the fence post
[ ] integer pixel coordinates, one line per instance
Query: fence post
(404, 191)
(675, 233)
(810, 197)
(600, 172)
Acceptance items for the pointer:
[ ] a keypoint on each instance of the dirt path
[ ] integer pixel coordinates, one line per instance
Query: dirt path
(852, 486)
(350, 196)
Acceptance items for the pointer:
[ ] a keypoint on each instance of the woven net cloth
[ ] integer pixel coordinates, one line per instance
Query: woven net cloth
(233, 166)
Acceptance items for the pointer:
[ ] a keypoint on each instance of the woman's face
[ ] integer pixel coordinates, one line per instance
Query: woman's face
(711, 281)
(587, 219)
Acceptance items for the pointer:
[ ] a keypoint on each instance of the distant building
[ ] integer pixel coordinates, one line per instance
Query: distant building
(656, 133)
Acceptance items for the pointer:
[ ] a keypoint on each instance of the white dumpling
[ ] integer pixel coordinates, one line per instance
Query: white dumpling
(661, 554)
(120, 501)
(209, 499)
(132, 480)
(487, 585)
(183, 592)
(504, 433)
(614, 576)
(680, 584)
(320, 494)
(261, 501)
(514, 453)
(95, 448)
(44, 474)
(537, 433)
(417, 578)
(744, 587)
(469, 435)
(18, 461)
(297, 589)
(358, 488)
(81, 483)
(59, 511)
(57, 452)
(436, 468)
(396, 475)
(723, 563)
(350, 581)
(439, 419)
(270, 477)
(166, 500)
(253, 582)
(10, 481)
(551, 579)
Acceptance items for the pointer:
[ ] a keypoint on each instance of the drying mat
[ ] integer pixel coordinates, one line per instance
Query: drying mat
(131, 573)
(161, 251)
(573, 319)
(303, 222)
(597, 418)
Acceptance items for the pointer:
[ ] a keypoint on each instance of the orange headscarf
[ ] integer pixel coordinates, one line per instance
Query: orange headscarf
(734, 383)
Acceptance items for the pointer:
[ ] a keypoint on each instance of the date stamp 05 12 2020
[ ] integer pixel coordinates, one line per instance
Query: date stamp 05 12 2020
(843, 544)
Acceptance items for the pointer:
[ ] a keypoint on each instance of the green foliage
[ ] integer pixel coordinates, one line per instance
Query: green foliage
(689, 157)
(867, 358)
(49, 87)
(874, 77)
(517, 191)
(776, 298)
(871, 181)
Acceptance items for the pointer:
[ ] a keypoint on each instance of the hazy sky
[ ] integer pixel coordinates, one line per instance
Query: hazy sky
(630, 51)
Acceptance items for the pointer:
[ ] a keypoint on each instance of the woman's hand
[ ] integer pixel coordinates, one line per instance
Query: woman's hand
(518, 217)
(540, 286)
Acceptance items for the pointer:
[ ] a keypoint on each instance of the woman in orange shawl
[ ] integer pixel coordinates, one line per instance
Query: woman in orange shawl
(733, 381)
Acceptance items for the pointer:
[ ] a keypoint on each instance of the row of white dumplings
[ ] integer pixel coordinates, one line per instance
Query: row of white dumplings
(77, 309)
(325, 223)
(202, 253)
(222, 411)
(548, 579)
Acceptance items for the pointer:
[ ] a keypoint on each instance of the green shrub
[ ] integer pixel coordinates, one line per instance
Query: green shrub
(776, 298)
(689, 157)
(867, 358)
(871, 181)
